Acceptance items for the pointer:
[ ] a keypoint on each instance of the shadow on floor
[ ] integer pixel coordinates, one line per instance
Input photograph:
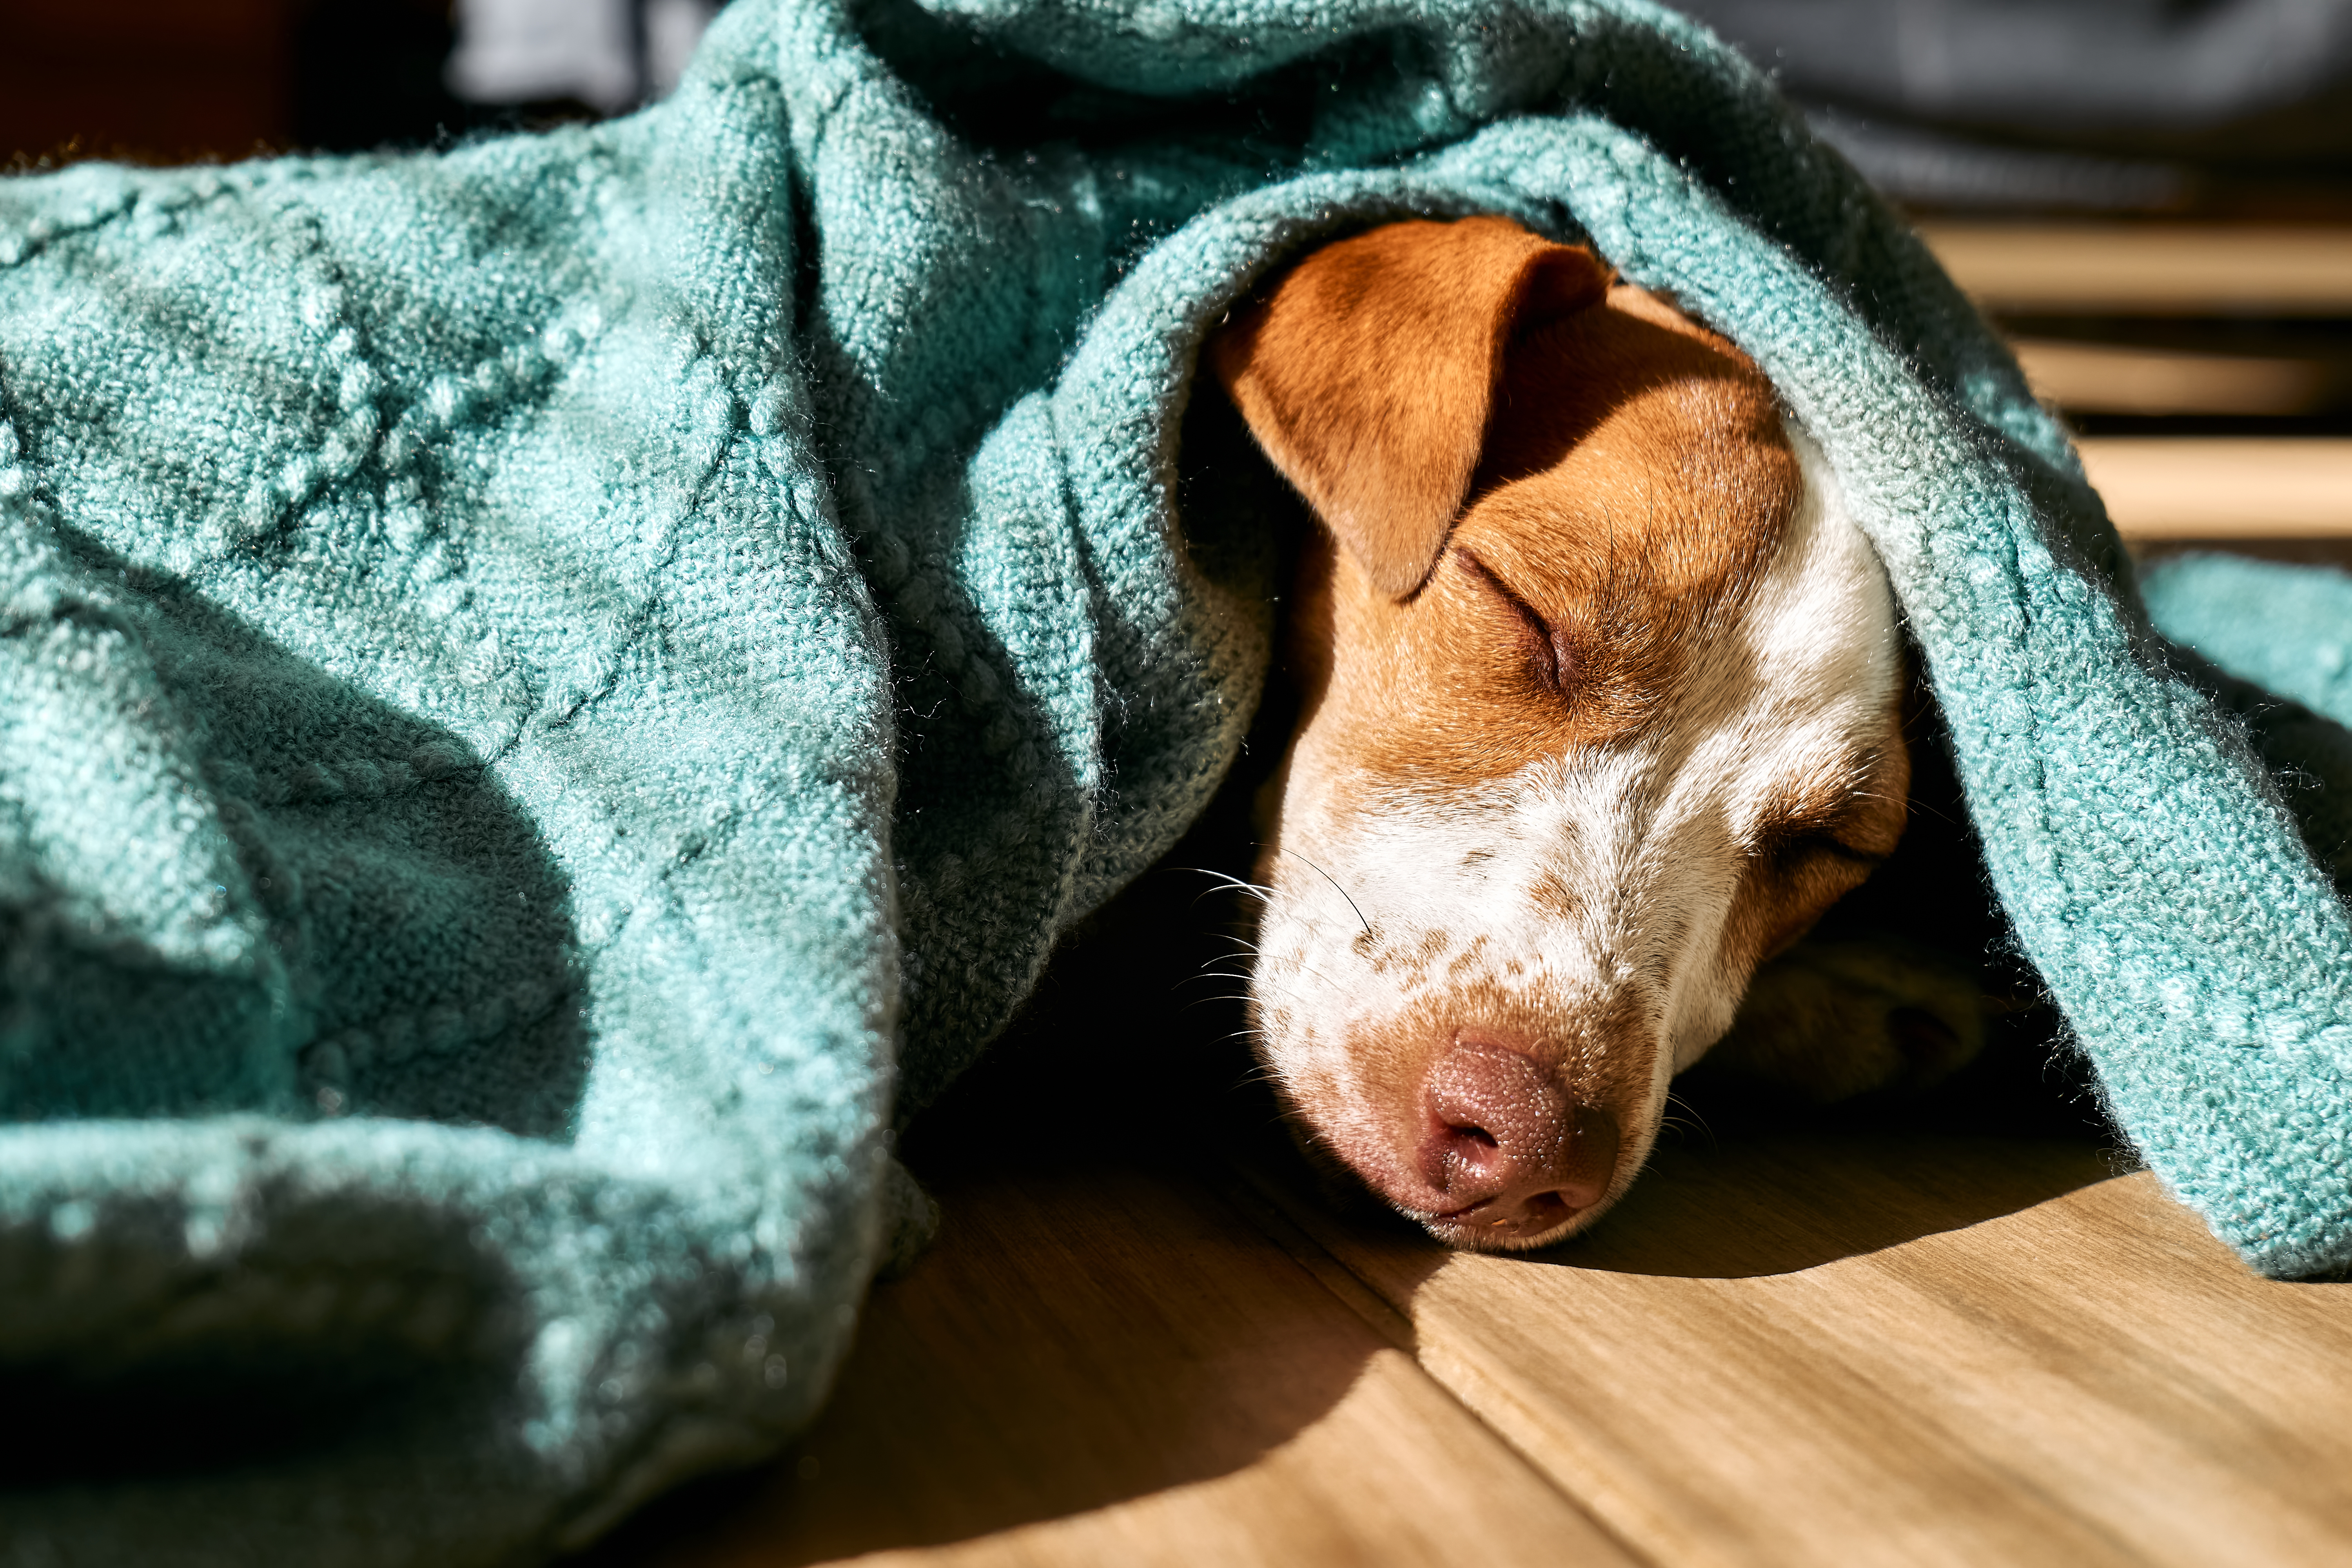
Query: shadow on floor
(1743, 1187)
(1093, 1324)
(1076, 1339)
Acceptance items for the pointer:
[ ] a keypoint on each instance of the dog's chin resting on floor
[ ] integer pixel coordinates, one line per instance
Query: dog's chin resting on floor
(1601, 706)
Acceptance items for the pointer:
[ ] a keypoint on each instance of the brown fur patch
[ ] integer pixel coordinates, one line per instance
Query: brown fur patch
(1634, 486)
(1368, 370)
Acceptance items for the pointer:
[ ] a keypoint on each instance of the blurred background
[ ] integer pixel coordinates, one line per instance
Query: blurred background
(2153, 198)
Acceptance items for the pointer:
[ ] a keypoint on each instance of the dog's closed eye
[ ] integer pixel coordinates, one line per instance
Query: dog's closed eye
(1550, 657)
(1847, 814)
(1792, 845)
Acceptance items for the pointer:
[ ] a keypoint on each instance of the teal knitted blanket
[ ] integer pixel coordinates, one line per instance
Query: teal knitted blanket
(546, 688)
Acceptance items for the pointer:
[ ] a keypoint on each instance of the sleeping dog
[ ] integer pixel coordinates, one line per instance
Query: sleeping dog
(1603, 704)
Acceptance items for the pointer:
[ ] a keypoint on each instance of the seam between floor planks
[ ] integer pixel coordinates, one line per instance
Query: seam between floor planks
(1245, 1187)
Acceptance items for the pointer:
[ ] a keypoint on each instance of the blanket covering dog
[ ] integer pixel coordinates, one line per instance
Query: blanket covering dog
(543, 685)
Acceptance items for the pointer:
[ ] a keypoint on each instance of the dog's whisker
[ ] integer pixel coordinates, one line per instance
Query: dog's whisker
(1285, 849)
(1676, 1102)
(1222, 882)
(1258, 977)
(1209, 1002)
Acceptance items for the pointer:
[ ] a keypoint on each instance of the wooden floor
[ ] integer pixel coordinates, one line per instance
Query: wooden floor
(1817, 1347)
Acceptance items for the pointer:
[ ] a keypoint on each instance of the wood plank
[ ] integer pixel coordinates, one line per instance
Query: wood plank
(2148, 269)
(1927, 1350)
(2116, 378)
(1108, 1365)
(2216, 486)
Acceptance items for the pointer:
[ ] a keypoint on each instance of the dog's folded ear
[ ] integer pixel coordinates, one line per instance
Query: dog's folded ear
(1368, 371)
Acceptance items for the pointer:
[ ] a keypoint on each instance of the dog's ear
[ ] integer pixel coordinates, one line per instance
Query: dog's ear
(1366, 372)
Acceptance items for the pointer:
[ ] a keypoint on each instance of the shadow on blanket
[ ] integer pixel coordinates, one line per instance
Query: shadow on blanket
(397, 856)
(220, 1378)
(236, 1389)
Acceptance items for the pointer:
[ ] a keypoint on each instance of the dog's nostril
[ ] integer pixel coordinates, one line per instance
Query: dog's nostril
(1472, 1159)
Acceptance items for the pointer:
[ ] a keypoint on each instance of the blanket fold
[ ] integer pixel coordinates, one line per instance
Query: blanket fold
(549, 690)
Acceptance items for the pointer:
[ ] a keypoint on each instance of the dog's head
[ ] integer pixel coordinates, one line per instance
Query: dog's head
(1601, 707)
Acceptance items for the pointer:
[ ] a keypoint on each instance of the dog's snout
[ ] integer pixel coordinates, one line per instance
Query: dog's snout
(1508, 1147)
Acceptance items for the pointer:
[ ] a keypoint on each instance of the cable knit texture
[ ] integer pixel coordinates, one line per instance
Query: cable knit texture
(543, 685)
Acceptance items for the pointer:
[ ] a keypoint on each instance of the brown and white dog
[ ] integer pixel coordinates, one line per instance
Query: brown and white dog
(1602, 701)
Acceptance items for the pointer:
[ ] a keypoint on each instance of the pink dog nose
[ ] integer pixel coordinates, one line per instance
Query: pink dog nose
(1507, 1146)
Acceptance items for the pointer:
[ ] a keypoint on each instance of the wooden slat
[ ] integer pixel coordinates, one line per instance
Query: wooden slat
(2203, 487)
(1111, 1366)
(1935, 1351)
(2112, 378)
(2148, 269)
